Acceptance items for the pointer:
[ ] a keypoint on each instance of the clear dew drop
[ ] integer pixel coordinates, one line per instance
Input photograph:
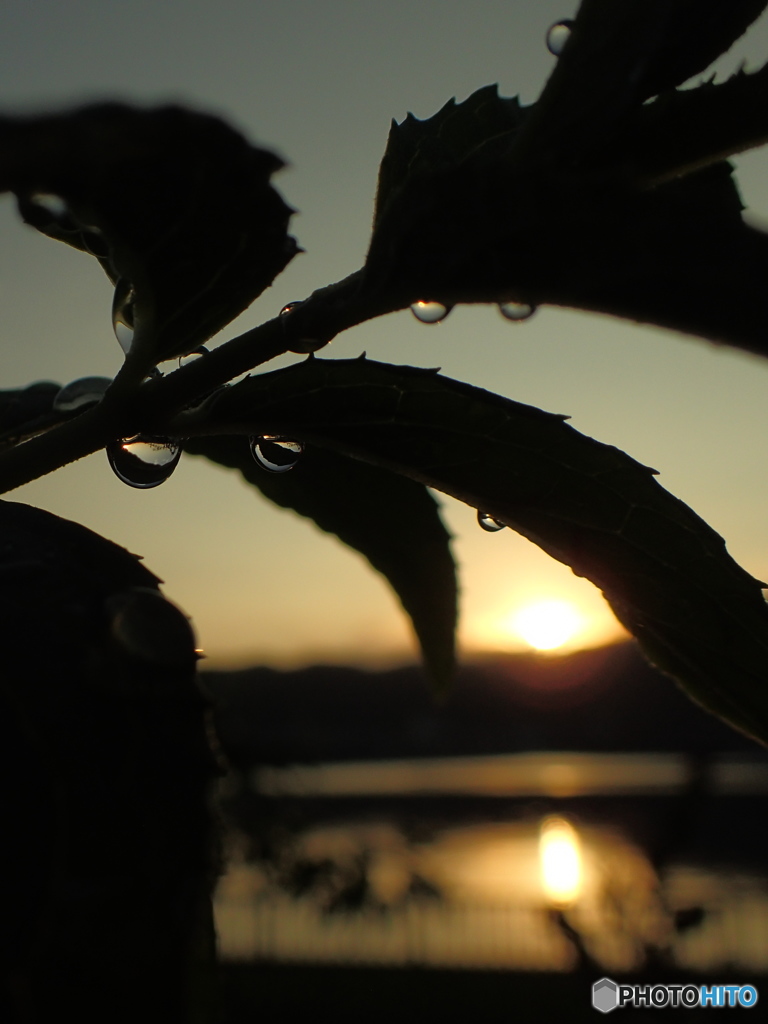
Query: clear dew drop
(193, 356)
(516, 311)
(81, 393)
(488, 523)
(123, 314)
(558, 35)
(143, 461)
(430, 312)
(55, 205)
(276, 454)
(95, 243)
(289, 307)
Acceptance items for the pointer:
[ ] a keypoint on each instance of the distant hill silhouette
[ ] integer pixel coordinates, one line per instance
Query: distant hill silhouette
(608, 699)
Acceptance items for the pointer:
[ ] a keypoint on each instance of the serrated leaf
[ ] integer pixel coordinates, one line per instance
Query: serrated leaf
(482, 127)
(173, 202)
(665, 572)
(392, 521)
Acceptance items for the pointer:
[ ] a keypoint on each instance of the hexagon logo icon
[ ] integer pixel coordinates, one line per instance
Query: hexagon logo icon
(605, 995)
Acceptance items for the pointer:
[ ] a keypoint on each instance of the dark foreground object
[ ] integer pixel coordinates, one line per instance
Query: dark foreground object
(107, 855)
(261, 992)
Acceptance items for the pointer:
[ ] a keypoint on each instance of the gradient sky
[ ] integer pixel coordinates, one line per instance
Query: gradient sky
(319, 82)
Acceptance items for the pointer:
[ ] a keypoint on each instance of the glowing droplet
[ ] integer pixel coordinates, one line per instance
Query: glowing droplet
(430, 312)
(81, 393)
(516, 311)
(143, 461)
(558, 35)
(123, 314)
(489, 523)
(276, 454)
(289, 307)
(193, 356)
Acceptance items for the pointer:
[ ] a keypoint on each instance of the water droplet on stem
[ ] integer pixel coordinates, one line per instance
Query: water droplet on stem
(430, 312)
(123, 314)
(53, 204)
(276, 454)
(558, 35)
(488, 523)
(516, 311)
(143, 461)
(193, 356)
(81, 393)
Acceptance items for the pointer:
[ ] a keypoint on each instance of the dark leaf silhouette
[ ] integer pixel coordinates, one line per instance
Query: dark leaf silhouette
(104, 740)
(26, 408)
(176, 205)
(480, 129)
(666, 574)
(391, 520)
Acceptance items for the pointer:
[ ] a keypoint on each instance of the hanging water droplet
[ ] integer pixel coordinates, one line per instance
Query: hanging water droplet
(489, 523)
(193, 356)
(123, 313)
(53, 204)
(148, 627)
(558, 35)
(95, 243)
(516, 311)
(143, 461)
(301, 345)
(430, 312)
(81, 393)
(276, 454)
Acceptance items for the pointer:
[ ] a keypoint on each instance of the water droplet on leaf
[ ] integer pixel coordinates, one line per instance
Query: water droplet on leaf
(558, 35)
(430, 312)
(81, 393)
(276, 454)
(148, 627)
(289, 307)
(192, 357)
(143, 461)
(487, 522)
(123, 314)
(516, 311)
(51, 203)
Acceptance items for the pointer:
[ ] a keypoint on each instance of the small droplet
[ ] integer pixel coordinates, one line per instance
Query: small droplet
(123, 314)
(430, 312)
(516, 311)
(301, 345)
(81, 393)
(95, 243)
(193, 356)
(276, 454)
(148, 627)
(53, 204)
(487, 522)
(558, 35)
(143, 461)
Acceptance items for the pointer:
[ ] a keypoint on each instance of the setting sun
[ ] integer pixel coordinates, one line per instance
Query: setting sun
(547, 625)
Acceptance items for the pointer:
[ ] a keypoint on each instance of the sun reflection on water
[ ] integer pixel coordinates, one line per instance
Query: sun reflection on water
(561, 863)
